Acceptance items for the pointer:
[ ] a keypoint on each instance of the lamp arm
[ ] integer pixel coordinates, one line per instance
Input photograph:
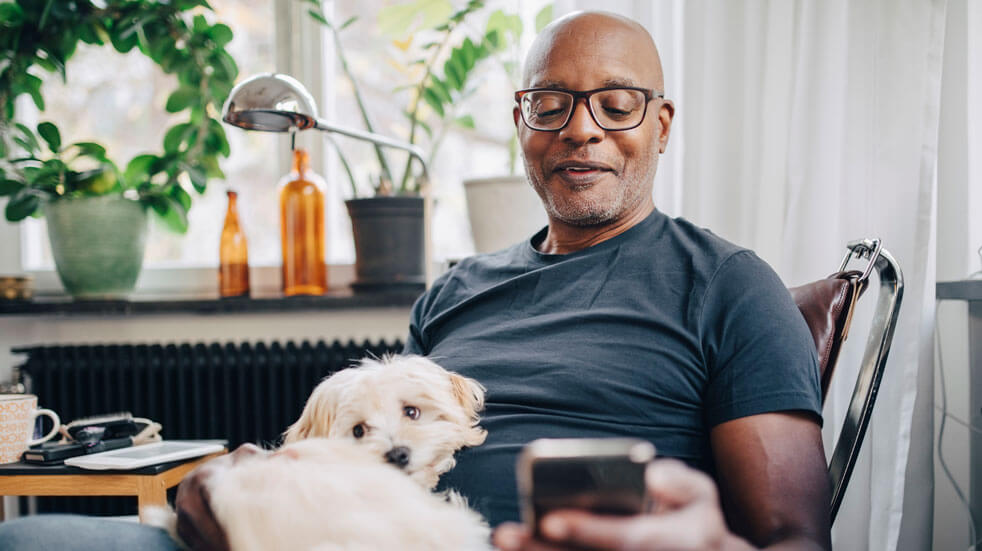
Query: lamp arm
(379, 139)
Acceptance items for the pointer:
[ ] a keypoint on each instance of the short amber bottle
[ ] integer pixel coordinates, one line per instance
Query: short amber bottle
(233, 254)
(302, 229)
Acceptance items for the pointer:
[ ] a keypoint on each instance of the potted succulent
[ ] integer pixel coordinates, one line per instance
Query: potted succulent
(97, 212)
(388, 225)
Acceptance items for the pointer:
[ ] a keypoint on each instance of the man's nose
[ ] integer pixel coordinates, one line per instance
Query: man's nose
(581, 127)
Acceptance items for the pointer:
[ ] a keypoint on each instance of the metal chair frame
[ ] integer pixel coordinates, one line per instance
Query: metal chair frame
(864, 394)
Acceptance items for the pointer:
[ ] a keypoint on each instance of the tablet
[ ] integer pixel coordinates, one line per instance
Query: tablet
(146, 454)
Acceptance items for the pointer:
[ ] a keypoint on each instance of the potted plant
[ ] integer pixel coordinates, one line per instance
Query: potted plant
(388, 225)
(97, 213)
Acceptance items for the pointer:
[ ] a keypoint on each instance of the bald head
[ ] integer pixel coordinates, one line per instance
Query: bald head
(576, 34)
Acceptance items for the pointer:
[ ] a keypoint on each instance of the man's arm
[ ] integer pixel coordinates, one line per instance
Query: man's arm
(773, 480)
(774, 485)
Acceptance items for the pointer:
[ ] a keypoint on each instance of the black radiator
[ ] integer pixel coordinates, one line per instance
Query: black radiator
(237, 392)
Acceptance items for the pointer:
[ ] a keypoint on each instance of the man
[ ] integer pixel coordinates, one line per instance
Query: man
(616, 320)
(619, 321)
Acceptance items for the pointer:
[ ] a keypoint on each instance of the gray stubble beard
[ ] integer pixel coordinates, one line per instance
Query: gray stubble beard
(593, 213)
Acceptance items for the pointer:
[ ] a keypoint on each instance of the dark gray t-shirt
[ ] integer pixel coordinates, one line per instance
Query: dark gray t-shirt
(661, 333)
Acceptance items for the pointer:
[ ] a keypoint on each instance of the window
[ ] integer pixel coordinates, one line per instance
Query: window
(117, 100)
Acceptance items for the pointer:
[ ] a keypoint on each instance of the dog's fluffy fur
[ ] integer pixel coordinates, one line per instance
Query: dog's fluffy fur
(329, 488)
(375, 396)
(333, 495)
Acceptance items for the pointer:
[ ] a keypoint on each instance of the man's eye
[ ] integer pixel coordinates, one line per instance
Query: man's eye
(551, 113)
(412, 412)
(358, 431)
(616, 113)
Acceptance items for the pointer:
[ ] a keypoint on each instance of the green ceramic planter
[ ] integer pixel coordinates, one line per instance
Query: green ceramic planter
(98, 244)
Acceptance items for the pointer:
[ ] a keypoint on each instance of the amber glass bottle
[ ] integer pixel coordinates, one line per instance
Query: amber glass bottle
(233, 255)
(302, 229)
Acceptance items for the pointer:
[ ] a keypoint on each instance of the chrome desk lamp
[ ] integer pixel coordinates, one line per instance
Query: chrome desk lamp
(273, 102)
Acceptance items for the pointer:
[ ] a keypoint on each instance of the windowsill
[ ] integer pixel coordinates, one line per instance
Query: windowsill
(335, 299)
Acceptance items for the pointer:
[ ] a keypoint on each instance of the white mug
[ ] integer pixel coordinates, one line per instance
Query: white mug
(17, 415)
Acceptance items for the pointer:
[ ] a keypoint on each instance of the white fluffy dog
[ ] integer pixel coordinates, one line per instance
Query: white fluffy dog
(406, 409)
(340, 480)
(334, 495)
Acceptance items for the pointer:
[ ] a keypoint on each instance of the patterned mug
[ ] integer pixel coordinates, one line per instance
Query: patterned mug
(17, 415)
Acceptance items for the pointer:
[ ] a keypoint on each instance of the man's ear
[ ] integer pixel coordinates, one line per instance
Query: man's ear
(515, 114)
(666, 112)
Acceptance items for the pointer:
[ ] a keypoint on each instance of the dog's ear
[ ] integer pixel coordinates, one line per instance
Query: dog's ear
(316, 419)
(469, 393)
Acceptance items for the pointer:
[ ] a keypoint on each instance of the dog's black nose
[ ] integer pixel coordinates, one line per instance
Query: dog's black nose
(398, 456)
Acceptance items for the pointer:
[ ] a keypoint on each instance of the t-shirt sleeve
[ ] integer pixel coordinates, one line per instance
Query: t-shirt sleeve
(759, 352)
(416, 341)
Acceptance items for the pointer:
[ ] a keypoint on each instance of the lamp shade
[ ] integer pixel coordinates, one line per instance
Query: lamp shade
(270, 102)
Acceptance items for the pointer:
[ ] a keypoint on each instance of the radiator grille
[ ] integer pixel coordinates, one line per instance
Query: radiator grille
(238, 392)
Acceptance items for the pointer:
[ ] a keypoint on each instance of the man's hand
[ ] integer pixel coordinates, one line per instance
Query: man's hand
(196, 524)
(687, 516)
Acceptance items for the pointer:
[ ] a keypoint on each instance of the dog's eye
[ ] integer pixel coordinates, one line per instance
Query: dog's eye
(358, 431)
(412, 412)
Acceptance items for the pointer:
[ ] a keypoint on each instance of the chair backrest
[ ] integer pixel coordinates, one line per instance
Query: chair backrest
(828, 306)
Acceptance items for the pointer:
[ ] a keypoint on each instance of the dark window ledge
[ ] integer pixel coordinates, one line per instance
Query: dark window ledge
(341, 299)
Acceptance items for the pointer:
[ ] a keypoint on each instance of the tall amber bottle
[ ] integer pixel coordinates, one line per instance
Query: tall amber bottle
(302, 229)
(233, 254)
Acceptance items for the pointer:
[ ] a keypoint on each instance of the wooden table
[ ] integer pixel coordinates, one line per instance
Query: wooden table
(148, 484)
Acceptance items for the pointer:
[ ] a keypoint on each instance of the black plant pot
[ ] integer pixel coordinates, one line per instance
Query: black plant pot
(389, 235)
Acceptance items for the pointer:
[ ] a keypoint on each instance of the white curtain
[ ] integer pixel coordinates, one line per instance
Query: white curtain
(802, 125)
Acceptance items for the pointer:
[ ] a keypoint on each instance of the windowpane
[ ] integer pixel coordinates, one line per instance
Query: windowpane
(117, 100)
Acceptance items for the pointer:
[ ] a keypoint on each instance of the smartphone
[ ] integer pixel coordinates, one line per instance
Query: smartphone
(603, 475)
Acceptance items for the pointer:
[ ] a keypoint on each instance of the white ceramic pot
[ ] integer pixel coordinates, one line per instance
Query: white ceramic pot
(503, 211)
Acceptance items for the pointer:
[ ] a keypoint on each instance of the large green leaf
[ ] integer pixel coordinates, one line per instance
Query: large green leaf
(455, 72)
(138, 170)
(175, 216)
(439, 87)
(21, 206)
(49, 132)
(433, 101)
(11, 15)
(181, 99)
(176, 136)
(10, 187)
(316, 14)
(28, 140)
(218, 141)
(221, 34)
(91, 150)
(199, 177)
(224, 65)
(177, 193)
(32, 86)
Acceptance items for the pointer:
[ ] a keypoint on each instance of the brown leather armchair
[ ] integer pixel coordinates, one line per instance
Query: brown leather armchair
(828, 306)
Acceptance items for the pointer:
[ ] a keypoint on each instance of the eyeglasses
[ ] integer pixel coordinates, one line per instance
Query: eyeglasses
(614, 108)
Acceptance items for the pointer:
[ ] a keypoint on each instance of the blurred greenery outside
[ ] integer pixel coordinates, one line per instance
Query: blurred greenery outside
(118, 100)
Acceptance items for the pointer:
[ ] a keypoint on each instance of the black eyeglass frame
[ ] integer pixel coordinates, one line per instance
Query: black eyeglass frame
(649, 94)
